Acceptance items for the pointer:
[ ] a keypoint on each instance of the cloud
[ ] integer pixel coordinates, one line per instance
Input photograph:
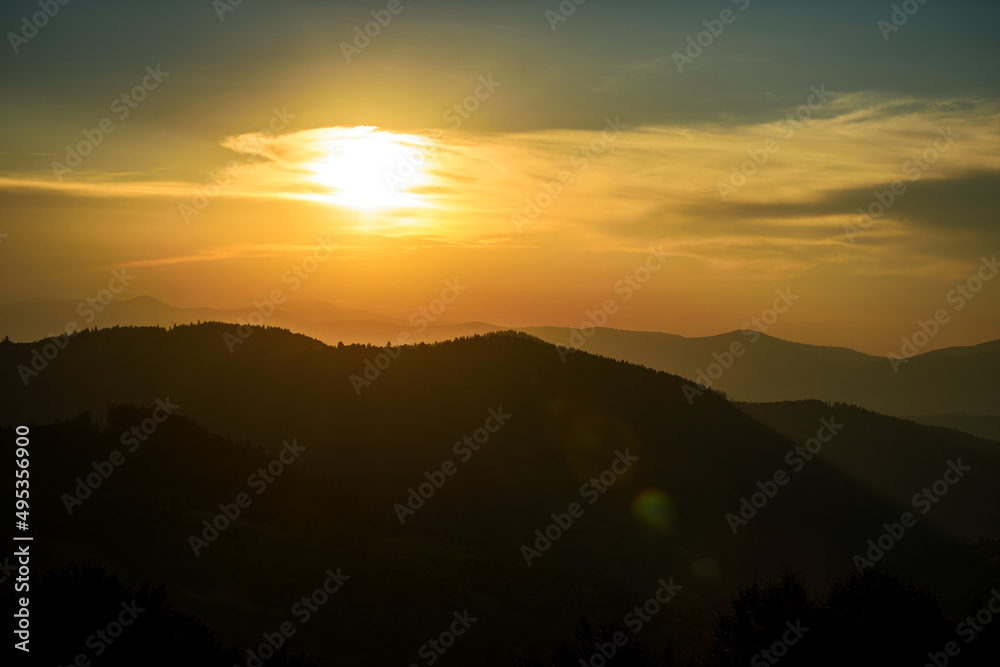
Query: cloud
(621, 190)
(967, 200)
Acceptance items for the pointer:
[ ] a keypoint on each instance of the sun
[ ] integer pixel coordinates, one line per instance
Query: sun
(367, 168)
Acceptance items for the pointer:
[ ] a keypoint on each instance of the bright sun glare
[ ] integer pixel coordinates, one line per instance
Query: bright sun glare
(367, 168)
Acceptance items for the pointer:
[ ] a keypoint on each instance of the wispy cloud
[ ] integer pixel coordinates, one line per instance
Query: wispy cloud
(652, 182)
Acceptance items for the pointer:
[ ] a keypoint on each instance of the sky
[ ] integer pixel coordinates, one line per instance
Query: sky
(540, 153)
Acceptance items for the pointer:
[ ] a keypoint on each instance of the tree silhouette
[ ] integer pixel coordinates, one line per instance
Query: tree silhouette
(88, 610)
(875, 618)
(757, 618)
(599, 640)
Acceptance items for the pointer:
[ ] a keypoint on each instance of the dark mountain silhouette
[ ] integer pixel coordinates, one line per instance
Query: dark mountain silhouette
(663, 518)
(958, 382)
(984, 426)
(33, 319)
(952, 387)
(78, 600)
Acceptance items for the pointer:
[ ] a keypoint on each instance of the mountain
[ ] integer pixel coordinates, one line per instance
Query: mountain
(34, 319)
(953, 387)
(984, 426)
(960, 382)
(501, 437)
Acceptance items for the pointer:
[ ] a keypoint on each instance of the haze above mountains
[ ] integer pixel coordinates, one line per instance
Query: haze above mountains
(952, 387)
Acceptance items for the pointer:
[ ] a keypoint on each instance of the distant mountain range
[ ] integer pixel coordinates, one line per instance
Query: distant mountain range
(954, 387)
(542, 429)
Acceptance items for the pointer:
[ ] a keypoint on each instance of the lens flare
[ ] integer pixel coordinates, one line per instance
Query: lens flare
(654, 509)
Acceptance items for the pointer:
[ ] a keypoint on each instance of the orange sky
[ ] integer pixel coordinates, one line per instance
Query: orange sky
(540, 218)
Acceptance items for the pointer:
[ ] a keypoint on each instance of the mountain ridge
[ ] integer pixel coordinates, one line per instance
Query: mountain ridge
(665, 516)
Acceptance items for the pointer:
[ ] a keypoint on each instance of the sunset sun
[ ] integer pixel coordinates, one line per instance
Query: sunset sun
(366, 168)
